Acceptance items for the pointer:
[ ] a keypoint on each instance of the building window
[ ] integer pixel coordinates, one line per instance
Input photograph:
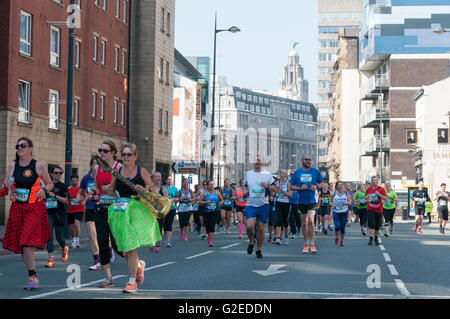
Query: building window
(96, 2)
(168, 24)
(161, 67)
(166, 124)
(162, 19)
(102, 107)
(323, 84)
(55, 39)
(116, 106)
(53, 110)
(104, 52)
(76, 108)
(104, 5)
(25, 32)
(95, 48)
(116, 59)
(118, 9)
(160, 120)
(123, 62)
(167, 73)
(24, 101)
(124, 18)
(77, 54)
(94, 104)
(122, 114)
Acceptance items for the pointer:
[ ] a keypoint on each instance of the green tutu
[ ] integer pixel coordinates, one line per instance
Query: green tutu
(132, 225)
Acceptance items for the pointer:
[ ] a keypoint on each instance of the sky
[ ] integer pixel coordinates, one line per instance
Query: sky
(255, 57)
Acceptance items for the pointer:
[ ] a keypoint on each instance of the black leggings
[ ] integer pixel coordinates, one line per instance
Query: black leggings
(374, 219)
(184, 217)
(389, 216)
(362, 213)
(210, 220)
(59, 230)
(103, 236)
(168, 220)
(282, 210)
(295, 220)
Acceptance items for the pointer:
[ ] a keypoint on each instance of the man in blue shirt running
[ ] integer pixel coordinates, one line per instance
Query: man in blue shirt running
(305, 181)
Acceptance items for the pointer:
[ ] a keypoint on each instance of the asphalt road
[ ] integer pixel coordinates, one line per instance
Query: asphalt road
(405, 265)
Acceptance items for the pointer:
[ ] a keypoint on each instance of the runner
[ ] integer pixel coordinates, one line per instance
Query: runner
(282, 207)
(211, 199)
(361, 207)
(256, 186)
(131, 221)
(168, 222)
(201, 211)
(306, 180)
(195, 210)
(185, 199)
(420, 197)
(55, 201)
(348, 189)
(340, 201)
(241, 201)
(331, 226)
(227, 208)
(107, 152)
(156, 180)
(389, 209)
(442, 198)
(233, 214)
(325, 207)
(295, 221)
(27, 227)
(272, 213)
(374, 195)
(429, 210)
(75, 211)
(89, 195)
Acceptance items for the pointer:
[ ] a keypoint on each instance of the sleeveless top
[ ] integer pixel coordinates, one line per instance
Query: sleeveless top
(339, 200)
(227, 202)
(27, 183)
(185, 201)
(103, 178)
(126, 191)
(280, 197)
(241, 201)
(212, 206)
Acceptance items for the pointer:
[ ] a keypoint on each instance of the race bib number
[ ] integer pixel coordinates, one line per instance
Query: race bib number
(211, 206)
(21, 195)
(373, 198)
(195, 206)
(227, 202)
(73, 202)
(306, 178)
(420, 202)
(90, 187)
(443, 202)
(121, 204)
(106, 199)
(362, 202)
(51, 202)
(388, 203)
(257, 193)
(325, 200)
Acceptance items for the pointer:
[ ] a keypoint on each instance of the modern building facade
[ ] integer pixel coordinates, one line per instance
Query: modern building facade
(399, 53)
(33, 85)
(332, 16)
(151, 82)
(282, 130)
(343, 137)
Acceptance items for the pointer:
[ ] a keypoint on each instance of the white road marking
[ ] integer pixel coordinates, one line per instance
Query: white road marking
(387, 257)
(392, 269)
(401, 286)
(229, 246)
(195, 256)
(159, 266)
(382, 248)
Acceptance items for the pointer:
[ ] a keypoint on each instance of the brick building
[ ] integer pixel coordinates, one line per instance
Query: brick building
(33, 85)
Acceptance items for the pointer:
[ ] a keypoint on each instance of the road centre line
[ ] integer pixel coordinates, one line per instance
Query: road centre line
(401, 286)
(198, 255)
(229, 246)
(392, 269)
(387, 257)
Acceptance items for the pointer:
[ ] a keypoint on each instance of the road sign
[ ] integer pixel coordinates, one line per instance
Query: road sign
(184, 167)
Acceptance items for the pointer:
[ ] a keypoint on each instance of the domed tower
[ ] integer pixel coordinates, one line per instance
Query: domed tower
(293, 85)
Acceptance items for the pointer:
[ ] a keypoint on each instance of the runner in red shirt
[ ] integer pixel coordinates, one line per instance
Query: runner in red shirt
(74, 212)
(375, 195)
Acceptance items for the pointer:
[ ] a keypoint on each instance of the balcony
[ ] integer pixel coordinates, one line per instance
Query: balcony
(378, 82)
(366, 175)
(371, 147)
(372, 117)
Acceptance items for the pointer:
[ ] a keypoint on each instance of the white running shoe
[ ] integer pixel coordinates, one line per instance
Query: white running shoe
(96, 266)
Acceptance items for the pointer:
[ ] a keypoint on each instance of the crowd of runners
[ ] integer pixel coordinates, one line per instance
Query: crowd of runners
(291, 204)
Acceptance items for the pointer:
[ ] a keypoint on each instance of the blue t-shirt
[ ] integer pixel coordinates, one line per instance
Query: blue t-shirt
(294, 198)
(310, 177)
(87, 183)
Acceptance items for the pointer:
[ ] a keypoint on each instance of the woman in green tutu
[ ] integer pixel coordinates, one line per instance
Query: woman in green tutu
(132, 223)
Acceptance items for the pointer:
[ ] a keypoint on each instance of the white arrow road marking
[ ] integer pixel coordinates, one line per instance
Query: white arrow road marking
(272, 270)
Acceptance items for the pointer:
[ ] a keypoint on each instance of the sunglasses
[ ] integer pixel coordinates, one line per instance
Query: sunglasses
(22, 145)
(101, 150)
(307, 159)
(57, 173)
(127, 154)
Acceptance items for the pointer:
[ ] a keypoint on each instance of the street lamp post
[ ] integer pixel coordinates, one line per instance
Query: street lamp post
(232, 29)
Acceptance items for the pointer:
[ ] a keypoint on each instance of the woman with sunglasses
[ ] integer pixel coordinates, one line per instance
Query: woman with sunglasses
(102, 187)
(132, 224)
(158, 188)
(27, 226)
